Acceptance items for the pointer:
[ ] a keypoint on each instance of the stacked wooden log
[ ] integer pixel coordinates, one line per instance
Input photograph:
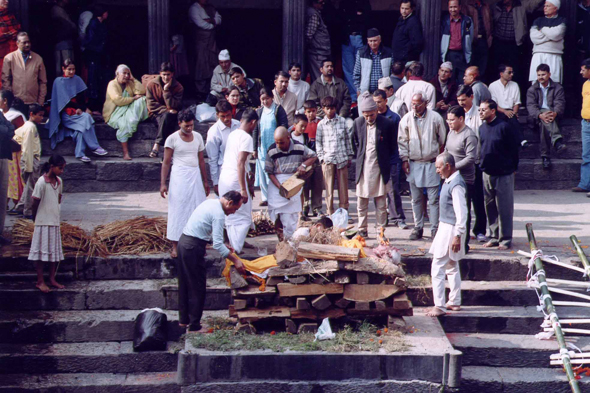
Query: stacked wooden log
(332, 282)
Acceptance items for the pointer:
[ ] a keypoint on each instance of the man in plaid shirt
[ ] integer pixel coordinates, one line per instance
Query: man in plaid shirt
(334, 150)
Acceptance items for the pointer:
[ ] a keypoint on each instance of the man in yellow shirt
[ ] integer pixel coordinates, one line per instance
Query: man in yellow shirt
(28, 137)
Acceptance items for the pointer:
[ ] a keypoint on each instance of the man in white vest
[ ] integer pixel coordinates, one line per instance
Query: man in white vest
(366, 77)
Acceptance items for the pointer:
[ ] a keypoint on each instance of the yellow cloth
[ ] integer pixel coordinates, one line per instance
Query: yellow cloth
(586, 101)
(257, 266)
(354, 243)
(27, 137)
(115, 97)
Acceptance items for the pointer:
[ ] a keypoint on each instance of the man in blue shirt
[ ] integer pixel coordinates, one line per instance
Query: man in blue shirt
(205, 225)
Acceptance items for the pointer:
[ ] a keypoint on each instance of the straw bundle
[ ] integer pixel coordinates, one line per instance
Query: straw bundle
(73, 238)
(136, 236)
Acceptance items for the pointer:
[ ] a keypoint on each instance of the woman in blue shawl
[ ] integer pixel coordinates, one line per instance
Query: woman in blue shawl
(69, 116)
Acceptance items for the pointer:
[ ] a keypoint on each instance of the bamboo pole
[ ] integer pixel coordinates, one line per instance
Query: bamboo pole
(568, 283)
(581, 253)
(568, 293)
(548, 303)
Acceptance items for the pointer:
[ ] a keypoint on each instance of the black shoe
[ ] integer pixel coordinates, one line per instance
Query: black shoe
(546, 163)
(560, 147)
(416, 234)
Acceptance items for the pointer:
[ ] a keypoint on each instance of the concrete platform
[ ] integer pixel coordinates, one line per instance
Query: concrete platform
(509, 350)
(430, 358)
(158, 382)
(36, 327)
(100, 357)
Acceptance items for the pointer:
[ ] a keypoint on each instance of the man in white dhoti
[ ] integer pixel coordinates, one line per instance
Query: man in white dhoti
(374, 140)
(284, 158)
(236, 175)
(547, 35)
(422, 133)
(188, 181)
(448, 246)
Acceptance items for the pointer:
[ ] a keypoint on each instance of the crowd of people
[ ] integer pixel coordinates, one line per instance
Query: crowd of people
(454, 139)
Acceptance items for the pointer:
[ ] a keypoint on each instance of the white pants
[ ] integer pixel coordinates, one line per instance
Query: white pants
(441, 267)
(289, 221)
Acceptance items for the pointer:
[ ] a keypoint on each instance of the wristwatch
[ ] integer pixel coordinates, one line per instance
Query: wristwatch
(304, 166)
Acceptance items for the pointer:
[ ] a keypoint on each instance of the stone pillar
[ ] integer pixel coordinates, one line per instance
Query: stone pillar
(572, 81)
(430, 14)
(158, 39)
(20, 8)
(293, 32)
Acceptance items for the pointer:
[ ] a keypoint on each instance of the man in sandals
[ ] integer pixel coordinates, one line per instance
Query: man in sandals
(448, 246)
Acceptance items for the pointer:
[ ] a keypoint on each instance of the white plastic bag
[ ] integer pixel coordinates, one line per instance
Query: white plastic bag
(340, 218)
(325, 331)
(205, 112)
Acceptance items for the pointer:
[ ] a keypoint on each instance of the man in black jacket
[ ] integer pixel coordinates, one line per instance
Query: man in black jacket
(373, 141)
(498, 162)
(355, 15)
(408, 40)
(6, 135)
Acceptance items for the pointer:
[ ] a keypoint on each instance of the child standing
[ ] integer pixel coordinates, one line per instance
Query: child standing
(30, 162)
(46, 243)
(314, 185)
(297, 130)
(334, 149)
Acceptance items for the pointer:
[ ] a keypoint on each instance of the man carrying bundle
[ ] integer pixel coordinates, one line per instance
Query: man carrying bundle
(284, 158)
(448, 246)
(205, 225)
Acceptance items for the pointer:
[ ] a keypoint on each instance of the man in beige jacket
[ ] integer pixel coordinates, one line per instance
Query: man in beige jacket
(23, 72)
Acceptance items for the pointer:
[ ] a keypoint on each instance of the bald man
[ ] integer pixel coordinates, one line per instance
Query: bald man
(284, 158)
(480, 90)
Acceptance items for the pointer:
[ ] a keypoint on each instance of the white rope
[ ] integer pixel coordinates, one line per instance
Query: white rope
(553, 259)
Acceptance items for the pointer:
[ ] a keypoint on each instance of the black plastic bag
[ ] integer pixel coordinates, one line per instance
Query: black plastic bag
(150, 331)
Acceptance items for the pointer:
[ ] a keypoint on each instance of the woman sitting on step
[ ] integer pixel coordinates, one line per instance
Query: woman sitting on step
(125, 106)
(69, 116)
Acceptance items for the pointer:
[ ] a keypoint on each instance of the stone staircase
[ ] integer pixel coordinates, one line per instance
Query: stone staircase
(112, 173)
(79, 339)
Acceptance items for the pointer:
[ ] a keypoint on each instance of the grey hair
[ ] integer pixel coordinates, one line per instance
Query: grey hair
(422, 96)
(446, 158)
(121, 68)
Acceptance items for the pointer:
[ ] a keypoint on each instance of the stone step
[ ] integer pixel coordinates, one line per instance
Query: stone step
(105, 295)
(516, 380)
(100, 357)
(32, 277)
(36, 327)
(564, 174)
(509, 350)
(574, 151)
(140, 144)
(155, 382)
(504, 320)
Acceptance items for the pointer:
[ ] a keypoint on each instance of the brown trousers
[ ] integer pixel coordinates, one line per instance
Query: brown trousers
(331, 173)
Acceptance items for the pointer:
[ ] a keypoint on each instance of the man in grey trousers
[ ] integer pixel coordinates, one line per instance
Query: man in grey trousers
(498, 162)
(6, 135)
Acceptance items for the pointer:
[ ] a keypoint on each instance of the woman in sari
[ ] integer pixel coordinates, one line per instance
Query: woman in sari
(15, 180)
(125, 106)
(69, 116)
(271, 116)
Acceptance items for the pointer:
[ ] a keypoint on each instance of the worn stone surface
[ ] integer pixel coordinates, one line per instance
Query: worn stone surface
(119, 171)
(105, 357)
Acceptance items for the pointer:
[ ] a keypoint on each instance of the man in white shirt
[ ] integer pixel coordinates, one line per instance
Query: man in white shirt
(473, 121)
(506, 93)
(221, 79)
(448, 246)
(204, 226)
(217, 139)
(205, 19)
(283, 97)
(297, 86)
(414, 85)
(236, 176)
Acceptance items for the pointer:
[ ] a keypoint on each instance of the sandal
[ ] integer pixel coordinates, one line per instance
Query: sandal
(154, 153)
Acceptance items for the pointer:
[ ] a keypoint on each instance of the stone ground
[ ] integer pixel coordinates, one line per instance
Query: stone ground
(555, 214)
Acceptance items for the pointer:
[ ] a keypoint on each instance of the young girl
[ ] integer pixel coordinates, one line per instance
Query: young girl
(46, 244)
